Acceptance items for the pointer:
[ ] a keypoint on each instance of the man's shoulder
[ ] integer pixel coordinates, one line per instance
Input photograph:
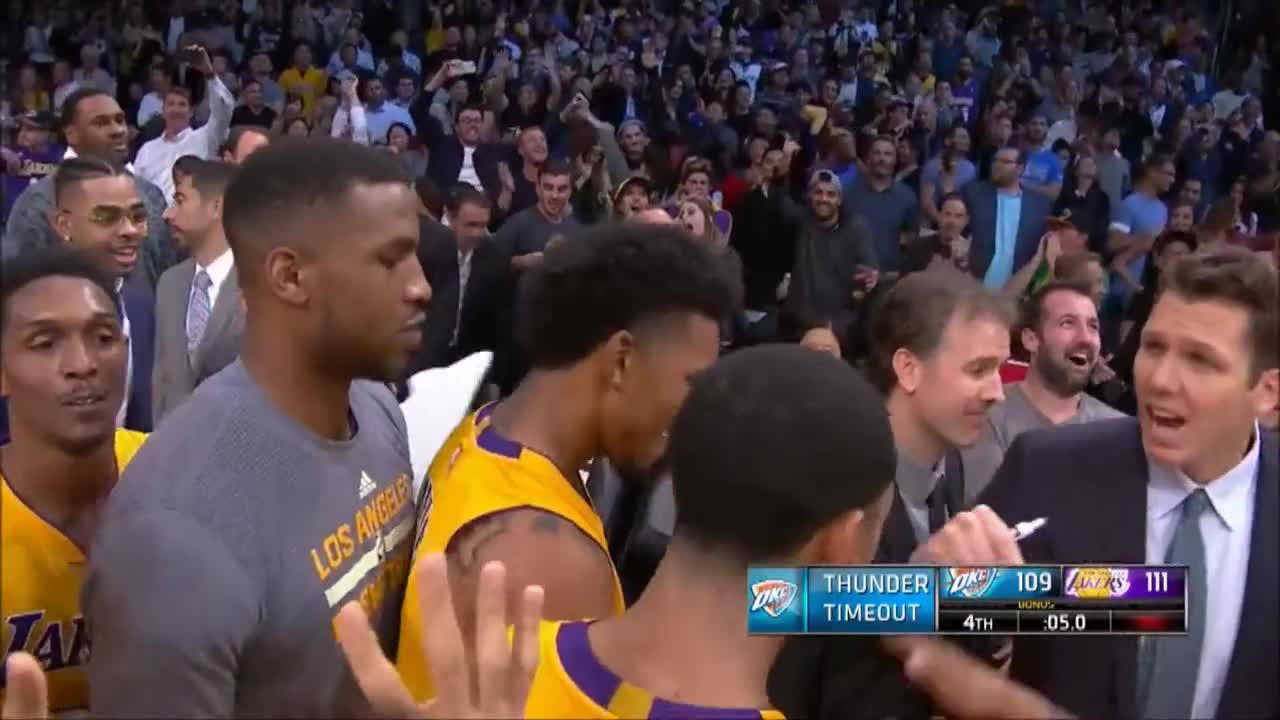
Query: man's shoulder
(173, 277)
(1101, 439)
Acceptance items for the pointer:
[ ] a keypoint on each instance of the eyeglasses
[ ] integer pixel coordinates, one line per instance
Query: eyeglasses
(113, 215)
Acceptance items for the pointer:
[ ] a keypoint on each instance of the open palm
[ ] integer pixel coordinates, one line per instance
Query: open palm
(504, 670)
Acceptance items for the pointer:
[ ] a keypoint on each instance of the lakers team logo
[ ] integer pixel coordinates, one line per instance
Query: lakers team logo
(772, 596)
(1096, 582)
(970, 582)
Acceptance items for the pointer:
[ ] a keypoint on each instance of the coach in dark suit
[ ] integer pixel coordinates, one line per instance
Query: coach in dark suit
(996, 208)
(463, 265)
(1191, 481)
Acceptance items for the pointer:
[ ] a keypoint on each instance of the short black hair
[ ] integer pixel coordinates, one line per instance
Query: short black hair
(465, 194)
(297, 174)
(72, 104)
(232, 142)
(773, 444)
(74, 171)
(614, 277)
(554, 168)
(45, 262)
(209, 177)
(916, 311)
(1032, 315)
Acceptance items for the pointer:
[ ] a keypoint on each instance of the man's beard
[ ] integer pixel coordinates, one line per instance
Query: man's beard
(1059, 376)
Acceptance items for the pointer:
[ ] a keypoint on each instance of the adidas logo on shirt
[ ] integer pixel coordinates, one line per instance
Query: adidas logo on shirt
(366, 485)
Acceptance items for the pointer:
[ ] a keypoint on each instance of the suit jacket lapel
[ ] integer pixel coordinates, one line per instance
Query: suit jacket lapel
(897, 538)
(176, 328)
(1256, 651)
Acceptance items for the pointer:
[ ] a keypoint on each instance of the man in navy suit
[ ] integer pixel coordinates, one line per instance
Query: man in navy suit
(99, 212)
(1006, 222)
(1192, 480)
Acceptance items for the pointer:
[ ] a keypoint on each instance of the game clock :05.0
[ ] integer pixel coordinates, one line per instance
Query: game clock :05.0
(1066, 621)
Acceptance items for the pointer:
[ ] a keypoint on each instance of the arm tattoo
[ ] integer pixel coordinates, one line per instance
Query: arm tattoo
(466, 545)
(545, 522)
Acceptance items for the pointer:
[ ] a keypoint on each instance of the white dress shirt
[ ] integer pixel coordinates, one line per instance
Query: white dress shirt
(156, 157)
(1226, 532)
(467, 174)
(218, 271)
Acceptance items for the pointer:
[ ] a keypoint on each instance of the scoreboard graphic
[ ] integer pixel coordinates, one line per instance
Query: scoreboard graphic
(1022, 600)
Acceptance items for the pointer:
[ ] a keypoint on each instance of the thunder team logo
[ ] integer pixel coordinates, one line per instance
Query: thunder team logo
(772, 596)
(1096, 582)
(970, 582)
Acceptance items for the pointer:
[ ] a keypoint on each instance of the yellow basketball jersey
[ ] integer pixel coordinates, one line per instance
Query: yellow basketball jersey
(41, 571)
(570, 683)
(477, 473)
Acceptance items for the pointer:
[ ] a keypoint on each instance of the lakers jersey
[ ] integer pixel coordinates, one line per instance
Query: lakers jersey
(570, 683)
(478, 472)
(41, 571)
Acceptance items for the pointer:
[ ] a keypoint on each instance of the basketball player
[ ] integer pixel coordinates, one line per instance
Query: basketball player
(63, 354)
(803, 446)
(620, 318)
(281, 488)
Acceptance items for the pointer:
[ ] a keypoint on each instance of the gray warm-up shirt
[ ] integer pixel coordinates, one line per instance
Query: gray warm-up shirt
(233, 538)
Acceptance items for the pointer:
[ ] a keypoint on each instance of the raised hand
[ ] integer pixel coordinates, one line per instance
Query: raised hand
(26, 693)
(504, 670)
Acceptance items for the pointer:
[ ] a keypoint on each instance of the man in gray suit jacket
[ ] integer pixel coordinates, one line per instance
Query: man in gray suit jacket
(94, 125)
(199, 316)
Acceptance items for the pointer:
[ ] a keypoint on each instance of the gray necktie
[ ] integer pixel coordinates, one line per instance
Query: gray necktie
(198, 311)
(1168, 666)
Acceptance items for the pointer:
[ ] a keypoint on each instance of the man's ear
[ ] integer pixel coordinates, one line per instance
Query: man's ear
(60, 220)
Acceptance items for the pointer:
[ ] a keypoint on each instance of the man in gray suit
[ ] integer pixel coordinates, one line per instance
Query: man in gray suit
(94, 125)
(199, 316)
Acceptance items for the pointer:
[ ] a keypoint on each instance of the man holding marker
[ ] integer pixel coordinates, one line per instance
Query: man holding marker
(938, 341)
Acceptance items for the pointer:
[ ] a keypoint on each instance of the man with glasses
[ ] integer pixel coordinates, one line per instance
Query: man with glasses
(94, 125)
(98, 210)
(463, 158)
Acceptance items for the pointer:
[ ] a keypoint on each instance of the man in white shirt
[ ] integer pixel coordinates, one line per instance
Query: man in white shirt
(1191, 481)
(199, 317)
(156, 157)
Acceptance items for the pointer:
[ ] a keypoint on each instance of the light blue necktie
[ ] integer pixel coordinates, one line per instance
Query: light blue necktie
(198, 311)
(1168, 666)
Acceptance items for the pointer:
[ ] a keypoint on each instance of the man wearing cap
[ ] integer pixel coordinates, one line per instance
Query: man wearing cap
(835, 263)
(34, 157)
(631, 197)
